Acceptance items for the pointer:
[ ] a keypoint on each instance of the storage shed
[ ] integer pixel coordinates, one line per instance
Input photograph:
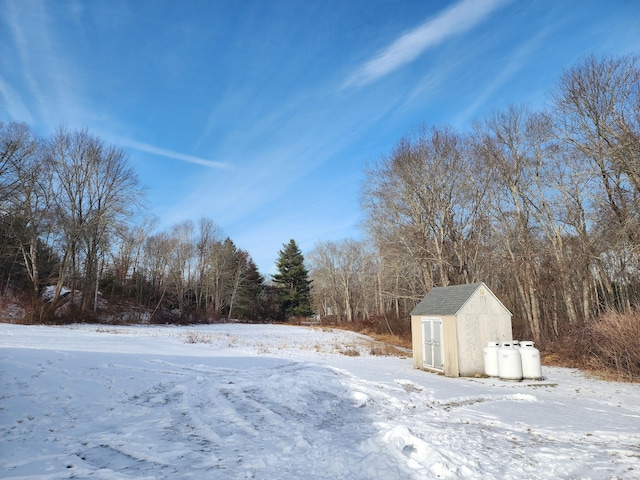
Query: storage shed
(451, 326)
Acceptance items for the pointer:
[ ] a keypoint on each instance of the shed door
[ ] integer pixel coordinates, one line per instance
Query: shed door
(432, 346)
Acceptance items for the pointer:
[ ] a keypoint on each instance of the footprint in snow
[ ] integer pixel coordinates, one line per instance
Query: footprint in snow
(409, 386)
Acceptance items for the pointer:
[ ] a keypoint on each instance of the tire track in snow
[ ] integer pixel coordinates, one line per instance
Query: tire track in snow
(86, 413)
(293, 418)
(428, 433)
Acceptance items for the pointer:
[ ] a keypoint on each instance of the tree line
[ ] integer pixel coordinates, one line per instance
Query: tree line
(62, 201)
(71, 222)
(542, 205)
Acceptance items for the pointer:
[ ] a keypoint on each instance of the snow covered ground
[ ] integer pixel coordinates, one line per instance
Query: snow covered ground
(278, 402)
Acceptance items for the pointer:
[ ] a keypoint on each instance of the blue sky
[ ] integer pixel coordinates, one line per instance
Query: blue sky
(262, 114)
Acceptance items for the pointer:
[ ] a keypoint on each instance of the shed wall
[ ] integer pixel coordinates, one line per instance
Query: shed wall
(449, 343)
(450, 346)
(416, 340)
(482, 319)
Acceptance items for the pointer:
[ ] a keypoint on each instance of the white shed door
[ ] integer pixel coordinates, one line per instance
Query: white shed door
(432, 343)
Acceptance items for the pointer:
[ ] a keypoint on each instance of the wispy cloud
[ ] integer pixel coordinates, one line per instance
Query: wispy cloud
(48, 81)
(515, 63)
(456, 19)
(13, 103)
(145, 147)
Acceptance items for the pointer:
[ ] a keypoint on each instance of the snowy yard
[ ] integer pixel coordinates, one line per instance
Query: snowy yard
(278, 402)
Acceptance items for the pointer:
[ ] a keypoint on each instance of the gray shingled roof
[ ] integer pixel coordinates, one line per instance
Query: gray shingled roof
(445, 300)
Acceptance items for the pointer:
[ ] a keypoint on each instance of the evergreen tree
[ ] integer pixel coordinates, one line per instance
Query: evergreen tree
(292, 282)
(250, 291)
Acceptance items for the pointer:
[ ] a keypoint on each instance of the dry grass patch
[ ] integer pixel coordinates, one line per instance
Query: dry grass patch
(384, 349)
(113, 331)
(395, 340)
(350, 351)
(196, 337)
(383, 344)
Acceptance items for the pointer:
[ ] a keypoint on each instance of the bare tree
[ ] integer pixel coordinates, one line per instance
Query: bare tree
(17, 147)
(96, 190)
(423, 202)
(127, 256)
(505, 142)
(598, 105)
(158, 250)
(222, 267)
(25, 191)
(237, 276)
(209, 238)
(181, 261)
(597, 114)
(338, 274)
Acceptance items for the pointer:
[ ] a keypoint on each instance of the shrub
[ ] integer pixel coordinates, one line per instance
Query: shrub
(614, 344)
(607, 346)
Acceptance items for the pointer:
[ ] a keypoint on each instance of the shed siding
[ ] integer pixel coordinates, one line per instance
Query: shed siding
(482, 319)
(416, 340)
(449, 343)
(450, 346)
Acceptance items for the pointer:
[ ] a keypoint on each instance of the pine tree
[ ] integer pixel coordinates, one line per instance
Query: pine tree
(293, 283)
(248, 303)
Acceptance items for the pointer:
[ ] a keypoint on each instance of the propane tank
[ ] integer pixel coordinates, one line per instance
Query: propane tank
(530, 355)
(490, 354)
(509, 362)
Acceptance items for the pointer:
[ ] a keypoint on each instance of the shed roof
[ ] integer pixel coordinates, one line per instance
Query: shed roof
(446, 300)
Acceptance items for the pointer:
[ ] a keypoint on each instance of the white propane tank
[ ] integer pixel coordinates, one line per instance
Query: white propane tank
(530, 355)
(490, 353)
(509, 362)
